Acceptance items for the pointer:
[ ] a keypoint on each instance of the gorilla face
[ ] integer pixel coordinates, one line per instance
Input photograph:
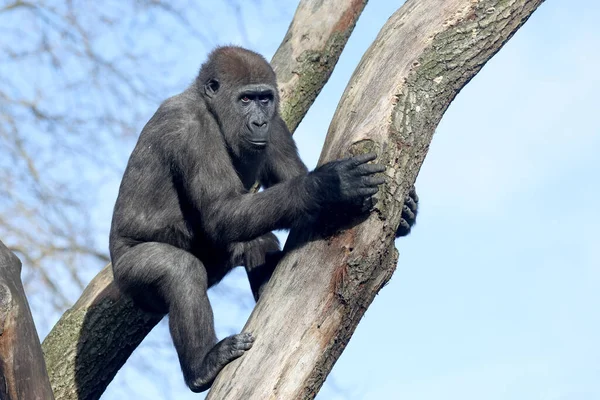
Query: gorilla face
(256, 107)
(244, 114)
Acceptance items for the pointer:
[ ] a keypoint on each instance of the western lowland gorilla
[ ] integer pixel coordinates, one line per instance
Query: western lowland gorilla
(185, 215)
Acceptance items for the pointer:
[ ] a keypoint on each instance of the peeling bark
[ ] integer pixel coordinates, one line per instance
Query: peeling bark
(427, 51)
(94, 338)
(22, 368)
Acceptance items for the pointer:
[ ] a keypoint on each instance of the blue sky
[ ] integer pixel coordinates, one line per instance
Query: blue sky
(496, 292)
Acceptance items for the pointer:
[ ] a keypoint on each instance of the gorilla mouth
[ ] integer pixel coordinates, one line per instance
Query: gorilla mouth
(258, 143)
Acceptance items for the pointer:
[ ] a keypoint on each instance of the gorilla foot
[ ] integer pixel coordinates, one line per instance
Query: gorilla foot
(218, 357)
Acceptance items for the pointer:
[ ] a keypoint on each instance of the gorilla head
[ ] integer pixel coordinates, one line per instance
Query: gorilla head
(240, 84)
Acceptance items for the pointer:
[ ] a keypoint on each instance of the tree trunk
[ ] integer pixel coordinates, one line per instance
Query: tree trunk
(427, 51)
(22, 368)
(94, 338)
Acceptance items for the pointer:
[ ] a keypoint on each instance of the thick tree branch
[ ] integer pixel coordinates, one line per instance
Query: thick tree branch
(94, 338)
(310, 49)
(423, 56)
(22, 368)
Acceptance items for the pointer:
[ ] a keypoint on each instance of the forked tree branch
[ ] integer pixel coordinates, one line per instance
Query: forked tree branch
(424, 55)
(95, 337)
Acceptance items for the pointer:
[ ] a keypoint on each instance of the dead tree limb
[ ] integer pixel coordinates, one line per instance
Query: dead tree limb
(427, 51)
(22, 368)
(95, 337)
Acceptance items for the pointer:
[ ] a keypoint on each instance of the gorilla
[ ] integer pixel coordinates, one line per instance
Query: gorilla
(185, 214)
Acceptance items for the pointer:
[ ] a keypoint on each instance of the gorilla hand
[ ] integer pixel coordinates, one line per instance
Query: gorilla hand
(409, 213)
(348, 182)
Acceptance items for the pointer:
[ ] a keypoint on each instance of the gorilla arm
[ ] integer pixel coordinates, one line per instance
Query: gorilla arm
(284, 163)
(235, 217)
(226, 213)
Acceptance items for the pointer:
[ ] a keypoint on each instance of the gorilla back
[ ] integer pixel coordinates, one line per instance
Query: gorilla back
(184, 215)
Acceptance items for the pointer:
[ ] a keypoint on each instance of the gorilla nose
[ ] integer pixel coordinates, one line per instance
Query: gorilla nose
(259, 124)
(259, 127)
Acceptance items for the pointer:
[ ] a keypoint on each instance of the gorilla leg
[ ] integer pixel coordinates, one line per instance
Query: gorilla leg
(163, 278)
(261, 256)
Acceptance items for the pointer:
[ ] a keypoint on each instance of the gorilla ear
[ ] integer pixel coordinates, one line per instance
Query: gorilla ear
(211, 87)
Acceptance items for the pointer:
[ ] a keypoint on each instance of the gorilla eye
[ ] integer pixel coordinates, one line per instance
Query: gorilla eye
(265, 99)
(245, 99)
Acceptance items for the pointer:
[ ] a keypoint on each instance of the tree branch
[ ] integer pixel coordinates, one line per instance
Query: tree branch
(309, 52)
(427, 51)
(22, 368)
(94, 338)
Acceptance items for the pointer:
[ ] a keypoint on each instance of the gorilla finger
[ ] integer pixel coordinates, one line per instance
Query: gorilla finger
(368, 203)
(403, 228)
(408, 201)
(244, 346)
(413, 194)
(373, 180)
(360, 159)
(369, 169)
(243, 343)
(247, 336)
(407, 213)
(368, 191)
(237, 353)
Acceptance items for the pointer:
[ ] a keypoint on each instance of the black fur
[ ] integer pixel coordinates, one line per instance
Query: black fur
(184, 216)
(409, 213)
